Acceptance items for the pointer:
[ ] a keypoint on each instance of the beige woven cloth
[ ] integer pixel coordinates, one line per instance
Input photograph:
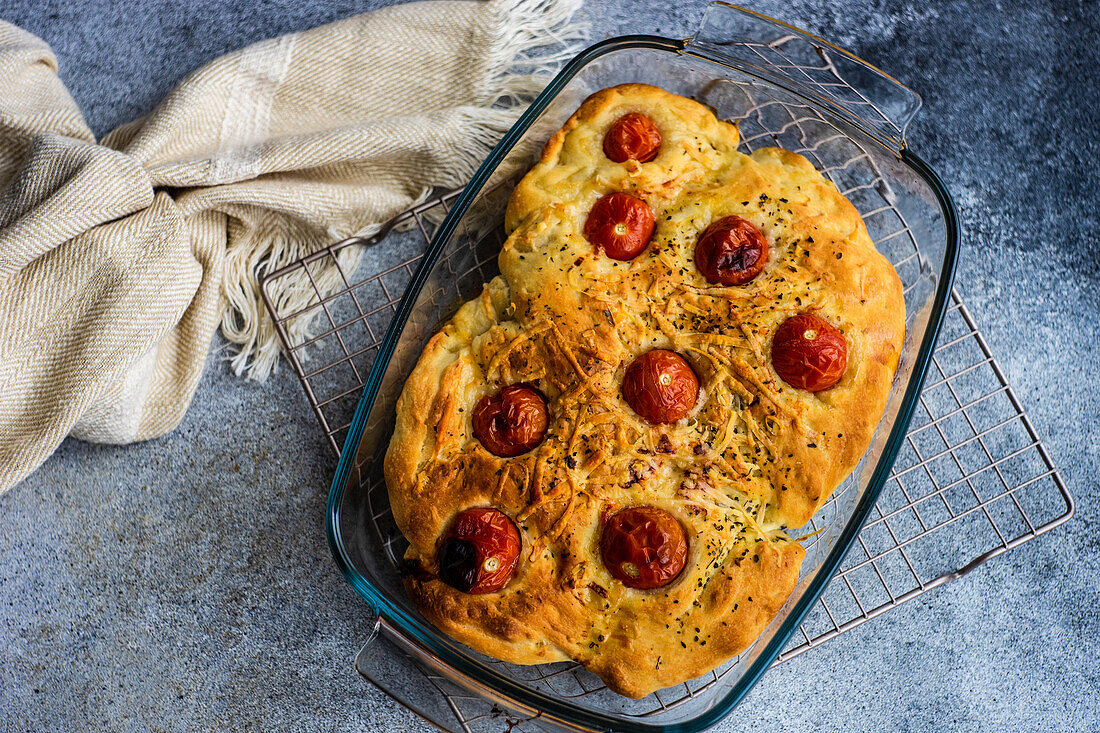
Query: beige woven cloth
(120, 258)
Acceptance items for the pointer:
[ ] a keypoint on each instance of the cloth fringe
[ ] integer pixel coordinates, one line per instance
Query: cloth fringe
(527, 43)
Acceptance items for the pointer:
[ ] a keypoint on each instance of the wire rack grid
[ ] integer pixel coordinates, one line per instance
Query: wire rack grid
(972, 481)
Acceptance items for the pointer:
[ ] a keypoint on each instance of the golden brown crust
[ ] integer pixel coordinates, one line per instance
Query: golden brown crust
(755, 457)
(694, 142)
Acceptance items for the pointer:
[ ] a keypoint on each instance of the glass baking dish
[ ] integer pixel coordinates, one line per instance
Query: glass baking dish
(784, 87)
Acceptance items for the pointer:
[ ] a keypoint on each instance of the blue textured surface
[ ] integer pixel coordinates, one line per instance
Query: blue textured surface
(186, 584)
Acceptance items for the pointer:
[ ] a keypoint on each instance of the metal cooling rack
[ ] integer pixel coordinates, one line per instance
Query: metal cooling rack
(972, 481)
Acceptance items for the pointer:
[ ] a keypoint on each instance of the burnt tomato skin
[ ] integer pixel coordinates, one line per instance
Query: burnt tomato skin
(809, 353)
(480, 552)
(511, 422)
(621, 225)
(644, 547)
(731, 251)
(661, 386)
(632, 137)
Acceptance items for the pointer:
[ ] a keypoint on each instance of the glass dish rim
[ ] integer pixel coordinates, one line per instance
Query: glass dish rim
(427, 638)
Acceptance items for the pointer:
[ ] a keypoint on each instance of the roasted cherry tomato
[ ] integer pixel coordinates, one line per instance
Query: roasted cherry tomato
(632, 137)
(480, 552)
(661, 386)
(512, 421)
(809, 353)
(644, 547)
(621, 225)
(732, 251)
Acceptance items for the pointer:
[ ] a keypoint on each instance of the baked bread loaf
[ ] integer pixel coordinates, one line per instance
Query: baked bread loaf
(603, 456)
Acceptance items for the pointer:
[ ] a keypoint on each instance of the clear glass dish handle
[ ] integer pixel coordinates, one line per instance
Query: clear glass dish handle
(437, 693)
(808, 66)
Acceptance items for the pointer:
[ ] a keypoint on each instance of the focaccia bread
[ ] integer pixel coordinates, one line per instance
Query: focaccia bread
(746, 458)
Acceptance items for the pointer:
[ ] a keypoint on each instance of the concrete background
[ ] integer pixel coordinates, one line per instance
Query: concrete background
(186, 584)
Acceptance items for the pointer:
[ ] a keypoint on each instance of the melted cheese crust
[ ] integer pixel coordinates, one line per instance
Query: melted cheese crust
(755, 457)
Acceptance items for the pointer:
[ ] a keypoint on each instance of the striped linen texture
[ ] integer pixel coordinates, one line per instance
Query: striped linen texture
(120, 258)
